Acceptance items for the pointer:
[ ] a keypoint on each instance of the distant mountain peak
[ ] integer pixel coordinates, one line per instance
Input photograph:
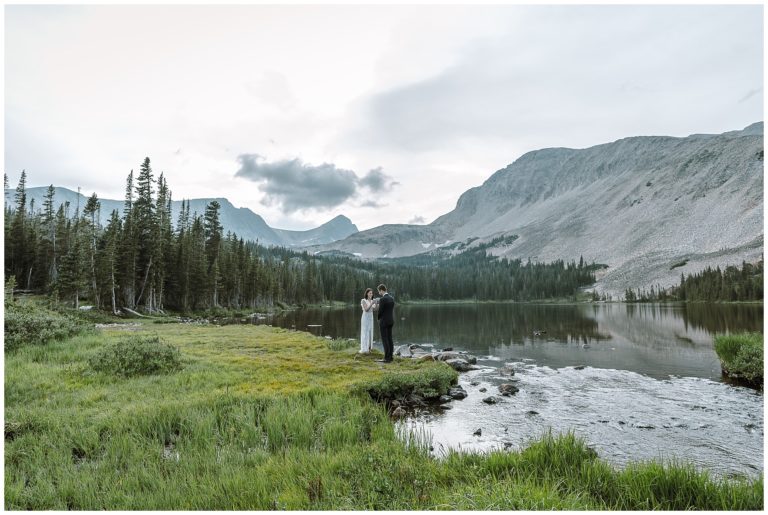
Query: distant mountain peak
(339, 221)
(241, 221)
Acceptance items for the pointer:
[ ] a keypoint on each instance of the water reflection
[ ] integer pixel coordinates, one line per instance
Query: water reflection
(721, 318)
(651, 339)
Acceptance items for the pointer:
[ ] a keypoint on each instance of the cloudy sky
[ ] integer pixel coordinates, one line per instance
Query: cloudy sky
(385, 114)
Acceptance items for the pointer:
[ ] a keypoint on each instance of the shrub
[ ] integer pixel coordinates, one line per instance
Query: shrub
(137, 355)
(741, 355)
(749, 363)
(29, 324)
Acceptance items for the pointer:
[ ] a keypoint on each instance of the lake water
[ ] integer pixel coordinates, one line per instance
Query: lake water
(635, 381)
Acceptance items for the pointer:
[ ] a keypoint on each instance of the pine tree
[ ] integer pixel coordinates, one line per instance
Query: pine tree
(49, 227)
(72, 277)
(91, 230)
(111, 245)
(18, 249)
(213, 231)
(128, 248)
(145, 227)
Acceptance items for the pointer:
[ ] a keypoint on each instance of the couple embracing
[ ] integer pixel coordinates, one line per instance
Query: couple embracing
(385, 306)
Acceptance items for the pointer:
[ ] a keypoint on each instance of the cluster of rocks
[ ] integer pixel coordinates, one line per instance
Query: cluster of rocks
(398, 408)
(459, 361)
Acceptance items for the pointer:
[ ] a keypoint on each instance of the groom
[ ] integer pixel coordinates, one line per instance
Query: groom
(386, 318)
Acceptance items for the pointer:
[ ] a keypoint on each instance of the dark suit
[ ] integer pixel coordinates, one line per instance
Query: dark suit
(386, 318)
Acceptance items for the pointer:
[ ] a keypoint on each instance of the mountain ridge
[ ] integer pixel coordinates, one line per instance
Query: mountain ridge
(638, 204)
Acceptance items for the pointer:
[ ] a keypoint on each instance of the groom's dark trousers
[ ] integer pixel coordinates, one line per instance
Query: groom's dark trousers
(386, 317)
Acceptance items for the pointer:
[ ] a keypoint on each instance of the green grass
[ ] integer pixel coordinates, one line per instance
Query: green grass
(261, 418)
(741, 356)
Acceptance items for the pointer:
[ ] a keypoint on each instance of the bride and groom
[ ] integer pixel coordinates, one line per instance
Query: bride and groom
(385, 306)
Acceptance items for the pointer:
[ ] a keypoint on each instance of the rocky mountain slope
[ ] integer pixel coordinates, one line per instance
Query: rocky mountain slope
(242, 221)
(640, 205)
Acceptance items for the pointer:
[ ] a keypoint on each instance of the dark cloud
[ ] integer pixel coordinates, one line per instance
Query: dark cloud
(377, 181)
(295, 185)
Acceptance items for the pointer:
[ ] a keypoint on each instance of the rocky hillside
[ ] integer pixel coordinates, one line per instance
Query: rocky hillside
(242, 221)
(640, 205)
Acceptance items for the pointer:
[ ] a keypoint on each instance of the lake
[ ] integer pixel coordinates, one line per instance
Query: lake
(636, 381)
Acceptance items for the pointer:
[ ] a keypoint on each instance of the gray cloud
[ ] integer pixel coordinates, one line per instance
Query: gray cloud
(751, 93)
(417, 220)
(377, 181)
(295, 185)
(574, 66)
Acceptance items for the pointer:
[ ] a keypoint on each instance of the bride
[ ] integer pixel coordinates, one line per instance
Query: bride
(368, 304)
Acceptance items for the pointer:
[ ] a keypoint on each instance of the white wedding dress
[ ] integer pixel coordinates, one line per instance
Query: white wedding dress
(366, 326)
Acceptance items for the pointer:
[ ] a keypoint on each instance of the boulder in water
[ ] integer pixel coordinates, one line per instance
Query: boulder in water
(508, 389)
(459, 365)
(490, 400)
(507, 370)
(403, 351)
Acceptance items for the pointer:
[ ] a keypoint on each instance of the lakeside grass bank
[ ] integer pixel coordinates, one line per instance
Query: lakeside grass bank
(741, 357)
(260, 418)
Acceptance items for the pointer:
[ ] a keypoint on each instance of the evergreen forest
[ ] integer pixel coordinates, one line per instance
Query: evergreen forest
(744, 283)
(144, 260)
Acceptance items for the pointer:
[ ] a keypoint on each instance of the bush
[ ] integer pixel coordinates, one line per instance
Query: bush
(741, 355)
(749, 363)
(29, 324)
(137, 355)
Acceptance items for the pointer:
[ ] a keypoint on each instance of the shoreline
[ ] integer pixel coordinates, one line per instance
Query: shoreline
(294, 418)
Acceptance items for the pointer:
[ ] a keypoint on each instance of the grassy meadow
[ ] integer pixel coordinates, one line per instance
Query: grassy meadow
(259, 418)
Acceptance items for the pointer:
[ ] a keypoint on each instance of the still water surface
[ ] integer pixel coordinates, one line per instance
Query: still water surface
(636, 381)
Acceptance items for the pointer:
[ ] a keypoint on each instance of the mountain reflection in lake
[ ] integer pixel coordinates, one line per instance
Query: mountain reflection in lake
(651, 386)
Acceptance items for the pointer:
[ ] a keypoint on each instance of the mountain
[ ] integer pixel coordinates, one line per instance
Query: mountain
(242, 221)
(641, 205)
(333, 230)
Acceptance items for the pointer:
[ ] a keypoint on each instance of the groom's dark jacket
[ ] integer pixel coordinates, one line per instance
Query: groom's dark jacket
(386, 314)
